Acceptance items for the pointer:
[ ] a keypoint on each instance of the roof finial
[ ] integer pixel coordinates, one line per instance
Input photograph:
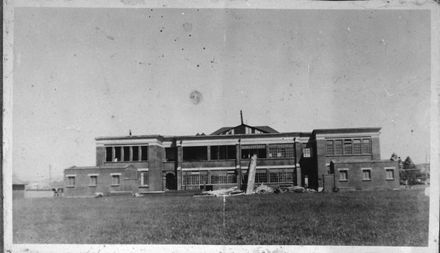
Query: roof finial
(241, 117)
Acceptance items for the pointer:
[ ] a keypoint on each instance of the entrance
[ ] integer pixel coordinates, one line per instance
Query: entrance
(170, 181)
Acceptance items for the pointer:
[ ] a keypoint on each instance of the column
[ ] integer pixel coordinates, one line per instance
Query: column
(238, 163)
(179, 175)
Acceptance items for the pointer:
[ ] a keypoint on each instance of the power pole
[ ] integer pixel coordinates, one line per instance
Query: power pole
(50, 173)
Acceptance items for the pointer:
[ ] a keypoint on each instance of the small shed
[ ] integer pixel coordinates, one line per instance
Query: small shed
(18, 190)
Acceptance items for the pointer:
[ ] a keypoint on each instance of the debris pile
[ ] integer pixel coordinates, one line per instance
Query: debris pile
(262, 189)
(234, 191)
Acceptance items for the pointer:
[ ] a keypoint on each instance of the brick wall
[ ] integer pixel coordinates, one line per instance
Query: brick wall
(128, 181)
(156, 154)
(355, 175)
(100, 155)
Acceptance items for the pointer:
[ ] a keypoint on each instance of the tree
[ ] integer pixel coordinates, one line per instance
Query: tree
(408, 164)
(408, 173)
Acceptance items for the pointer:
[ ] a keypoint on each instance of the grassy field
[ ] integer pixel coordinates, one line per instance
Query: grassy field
(344, 218)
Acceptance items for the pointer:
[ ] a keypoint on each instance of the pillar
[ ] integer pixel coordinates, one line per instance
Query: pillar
(238, 164)
(179, 161)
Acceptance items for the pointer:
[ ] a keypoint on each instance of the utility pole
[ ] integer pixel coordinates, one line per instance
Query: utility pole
(241, 117)
(50, 173)
(294, 155)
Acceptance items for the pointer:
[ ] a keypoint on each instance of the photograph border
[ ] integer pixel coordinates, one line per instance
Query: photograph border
(8, 56)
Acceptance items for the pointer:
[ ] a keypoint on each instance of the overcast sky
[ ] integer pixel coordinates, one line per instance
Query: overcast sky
(82, 73)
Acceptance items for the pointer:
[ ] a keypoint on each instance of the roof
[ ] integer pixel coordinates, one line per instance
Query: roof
(113, 166)
(346, 130)
(134, 137)
(265, 129)
(221, 130)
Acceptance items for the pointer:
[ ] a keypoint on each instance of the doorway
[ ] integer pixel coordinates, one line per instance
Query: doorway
(170, 181)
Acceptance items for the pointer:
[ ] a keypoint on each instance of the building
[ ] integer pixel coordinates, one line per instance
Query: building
(18, 189)
(332, 159)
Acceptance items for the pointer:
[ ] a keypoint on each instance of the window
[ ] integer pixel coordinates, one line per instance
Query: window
(330, 150)
(198, 153)
(93, 180)
(307, 153)
(280, 150)
(356, 146)
(191, 178)
(338, 147)
(144, 153)
(126, 153)
(347, 147)
(366, 146)
(223, 152)
(144, 178)
(343, 175)
(389, 173)
(261, 177)
(118, 154)
(366, 174)
(116, 179)
(108, 154)
(171, 154)
(70, 181)
(247, 151)
(135, 154)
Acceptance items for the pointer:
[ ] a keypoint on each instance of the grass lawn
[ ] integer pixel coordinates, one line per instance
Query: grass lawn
(393, 218)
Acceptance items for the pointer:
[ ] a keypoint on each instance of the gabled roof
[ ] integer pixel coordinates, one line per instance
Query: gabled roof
(264, 129)
(267, 129)
(221, 130)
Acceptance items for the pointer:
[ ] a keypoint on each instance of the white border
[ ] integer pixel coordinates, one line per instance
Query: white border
(8, 11)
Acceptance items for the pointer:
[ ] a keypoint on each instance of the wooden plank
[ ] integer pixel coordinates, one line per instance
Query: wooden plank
(251, 175)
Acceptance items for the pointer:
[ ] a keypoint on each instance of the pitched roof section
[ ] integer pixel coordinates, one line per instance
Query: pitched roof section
(267, 129)
(263, 129)
(221, 130)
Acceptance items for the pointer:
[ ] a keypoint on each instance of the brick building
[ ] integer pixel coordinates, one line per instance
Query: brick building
(341, 159)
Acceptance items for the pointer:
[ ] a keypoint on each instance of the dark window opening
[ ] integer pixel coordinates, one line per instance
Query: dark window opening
(118, 154)
(144, 151)
(171, 154)
(199, 153)
(108, 154)
(135, 153)
(223, 152)
(126, 153)
(248, 151)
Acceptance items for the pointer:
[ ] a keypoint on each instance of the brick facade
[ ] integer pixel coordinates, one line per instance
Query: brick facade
(157, 163)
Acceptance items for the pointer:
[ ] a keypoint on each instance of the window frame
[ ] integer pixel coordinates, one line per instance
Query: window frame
(342, 171)
(393, 169)
(69, 176)
(142, 183)
(119, 179)
(91, 183)
(369, 174)
(286, 151)
(342, 146)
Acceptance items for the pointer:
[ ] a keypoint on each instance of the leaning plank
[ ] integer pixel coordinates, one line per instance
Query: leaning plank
(251, 175)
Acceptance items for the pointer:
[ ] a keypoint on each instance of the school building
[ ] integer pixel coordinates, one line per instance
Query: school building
(334, 159)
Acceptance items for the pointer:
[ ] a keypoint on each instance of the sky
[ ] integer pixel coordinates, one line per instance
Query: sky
(80, 73)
